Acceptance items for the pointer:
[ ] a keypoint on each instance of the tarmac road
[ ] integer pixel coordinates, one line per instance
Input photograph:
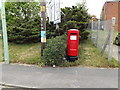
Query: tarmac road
(68, 77)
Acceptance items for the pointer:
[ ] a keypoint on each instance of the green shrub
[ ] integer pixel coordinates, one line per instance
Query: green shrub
(23, 22)
(70, 25)
(55, 51)
(84, 35)
(77, 25)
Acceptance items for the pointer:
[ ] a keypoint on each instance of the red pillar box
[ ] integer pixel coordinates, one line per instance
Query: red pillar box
(72, 44)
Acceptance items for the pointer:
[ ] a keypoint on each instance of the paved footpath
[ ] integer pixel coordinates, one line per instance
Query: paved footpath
(68, 77)
(116, 52)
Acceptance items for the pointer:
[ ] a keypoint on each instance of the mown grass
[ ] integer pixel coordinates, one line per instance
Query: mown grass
(90, 56)
(25, 53)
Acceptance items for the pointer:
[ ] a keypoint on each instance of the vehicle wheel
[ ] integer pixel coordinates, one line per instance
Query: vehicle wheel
(116, 41)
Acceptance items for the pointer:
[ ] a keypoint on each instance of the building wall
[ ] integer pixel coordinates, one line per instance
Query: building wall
(112, 9)
(119, 16)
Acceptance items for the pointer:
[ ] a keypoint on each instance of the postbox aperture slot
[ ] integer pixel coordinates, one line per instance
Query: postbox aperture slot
(73, 33)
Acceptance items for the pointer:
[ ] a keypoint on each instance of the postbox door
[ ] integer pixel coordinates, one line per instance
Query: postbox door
(73, 44)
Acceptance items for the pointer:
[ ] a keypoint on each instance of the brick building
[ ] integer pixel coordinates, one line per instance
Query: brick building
(112, 9)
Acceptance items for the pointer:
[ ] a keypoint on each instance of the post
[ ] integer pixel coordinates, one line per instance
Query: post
(57, 28)
(111, 39)
(4, 29)
(43, 25)
(91, 28)
(98, 33)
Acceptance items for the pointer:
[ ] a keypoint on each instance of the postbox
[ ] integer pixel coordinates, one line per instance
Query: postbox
(72, 44)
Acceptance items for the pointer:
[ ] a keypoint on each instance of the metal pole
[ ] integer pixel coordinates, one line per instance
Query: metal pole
(4, 29)
(91, 29)
(111, 39)
(43, 25)
(98, 33)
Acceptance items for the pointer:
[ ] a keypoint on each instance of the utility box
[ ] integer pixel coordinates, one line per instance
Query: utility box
(72, 44)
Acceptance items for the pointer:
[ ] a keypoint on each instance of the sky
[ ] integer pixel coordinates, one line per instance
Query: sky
(94, 6)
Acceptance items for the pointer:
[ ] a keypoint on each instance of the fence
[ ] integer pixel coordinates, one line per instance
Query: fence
(0, 43)
(102, 35)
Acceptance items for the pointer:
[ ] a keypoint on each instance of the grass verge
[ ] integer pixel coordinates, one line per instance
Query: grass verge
(90, 56)
(25, 53)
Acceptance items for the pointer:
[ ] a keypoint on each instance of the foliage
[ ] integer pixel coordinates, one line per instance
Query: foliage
(94, 18)
(75, 17)
(0, 14)
(0, 21)
(75, 13)
(55, 51)
(23, 21)
(77, 25)
(0, 26)
(51, 32)
(102, 14)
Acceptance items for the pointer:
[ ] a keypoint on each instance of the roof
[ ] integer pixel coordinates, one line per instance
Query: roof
(112, 1)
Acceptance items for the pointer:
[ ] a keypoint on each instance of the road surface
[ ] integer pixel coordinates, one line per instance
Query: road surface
(68, 77)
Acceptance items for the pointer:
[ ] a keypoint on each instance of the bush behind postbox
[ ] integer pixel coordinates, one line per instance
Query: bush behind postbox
(55, 51)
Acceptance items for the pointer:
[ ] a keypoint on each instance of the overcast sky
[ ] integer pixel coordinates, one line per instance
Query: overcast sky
(94, 6)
